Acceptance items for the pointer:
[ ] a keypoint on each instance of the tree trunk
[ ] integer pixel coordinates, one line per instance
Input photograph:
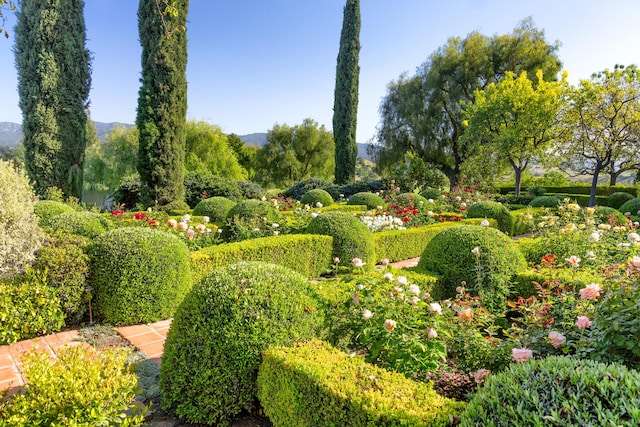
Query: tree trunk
(594, 185)
(613, 178)
(518, 174)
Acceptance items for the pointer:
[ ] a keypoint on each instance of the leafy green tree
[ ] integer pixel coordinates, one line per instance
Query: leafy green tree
(515, 121)
(54, 78)
(295, 153)
(345, 105)
(162, 103)
(424, 113)
(602, 118)
(246, 155)
(208, 152)
(113, 161)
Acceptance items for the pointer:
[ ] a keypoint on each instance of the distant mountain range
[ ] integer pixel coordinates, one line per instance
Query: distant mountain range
(11, 133)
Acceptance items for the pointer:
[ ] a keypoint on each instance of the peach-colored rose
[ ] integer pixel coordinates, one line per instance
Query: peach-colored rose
(389, 325)
(574, 261)
(366, 314)
(190, 233)
(591, 291)
(182, 225)
(466, 314)
(435, 308)
(201, 228)
(583, 322)
(556, 339)
(172, 223)
(414, 289)
(521, 354)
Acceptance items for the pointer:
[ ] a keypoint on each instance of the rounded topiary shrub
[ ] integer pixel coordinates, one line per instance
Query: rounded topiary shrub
(177, 205)
(20, 236)
(318, 195)
(632, 206)
(216, 208)
(557, 391)
(47, 209)
(608, 215)
(495, 210)
(351, 238)
(215, 344)
(456, 253)
(405, 200)
(299, 189)
(372, 201)
(87, 224)
(250, 219)
(138, 275)
(431, 193)
(545, 202)
(615, 200)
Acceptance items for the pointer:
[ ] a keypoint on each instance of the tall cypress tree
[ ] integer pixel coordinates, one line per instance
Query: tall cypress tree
(54, 78)
(345, 105)
(162, 103)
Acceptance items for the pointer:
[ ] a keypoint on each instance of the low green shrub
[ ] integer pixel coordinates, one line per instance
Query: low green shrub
(28, 307)
(431, 193)
(308, 254)
(545, 202)
(525, 220)
(215, 344)
(632, 206)
(66, 266)
(450, 254)
(80, 387)
(86, 224)
(298, 189)
(557, 391)
(563, 245)
(313, 384)
(317, 198)
(495, 210)
(536, 190)
(198, 186)
(608, 215)
(582, 199)
(177, 205)
(524, 283)
(20, 236)
(405, 200)
(47, 209)
(372, 201)
(351, 238)
(398, 245)
(250, 219)
(616, 200)
(216, 208)
(511, 199)
(139, 275)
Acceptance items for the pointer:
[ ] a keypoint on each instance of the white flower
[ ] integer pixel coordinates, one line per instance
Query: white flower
(256, 230)
(430, 201)
(435, 308)
(634, 237)
(314, 214)
(385, 261)
(276, 232)
(389, 325)
(366, 314)
(574, 261)
(402, 281)
(387, 276)
(484, 223)
(336, 260)
(604, 226)
(357, 262)
(624, 245)
(594, 237)
(430, 213)
(590, 255)
(379, 208)
(476, 250)
(318, 205)
(185, 218)
(205, 219)
(431, 333)
(414, 289)
(275, 225)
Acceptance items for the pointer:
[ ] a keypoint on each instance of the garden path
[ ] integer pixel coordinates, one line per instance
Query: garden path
(148, 338)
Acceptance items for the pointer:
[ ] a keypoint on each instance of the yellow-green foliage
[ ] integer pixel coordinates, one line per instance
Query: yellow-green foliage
(314, 384)
(46, 209)
(525, 220)
(20, 236)
(307, 254)
(398, 245)
(81, 387)
(524, 283)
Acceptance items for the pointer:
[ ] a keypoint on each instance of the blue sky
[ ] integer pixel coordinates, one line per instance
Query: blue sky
(255, 63)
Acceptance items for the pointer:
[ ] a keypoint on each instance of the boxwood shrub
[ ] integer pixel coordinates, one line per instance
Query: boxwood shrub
(632, 206)
(250, 219)
(617, 199)
(308, 254)
(318, 195)
(557, 391)
(46, 209)
(298, 189)
(368, 199)
(314, 384)
(139, 275)
(523, 283)
(607, 214)
(545, 202)
(495, 210)
(351, 238)
(87, 224)
(215, 344)
(563, 245)
(449, 254)
(431, 193)
(405, 200)
(216, 208)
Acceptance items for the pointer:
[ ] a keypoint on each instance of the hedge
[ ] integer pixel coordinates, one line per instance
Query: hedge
(398, 245)
(601, 190)
(583, 200)
(308, 254)
(313, 384)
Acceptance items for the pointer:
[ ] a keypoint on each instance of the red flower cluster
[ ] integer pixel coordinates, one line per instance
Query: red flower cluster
(118, 213)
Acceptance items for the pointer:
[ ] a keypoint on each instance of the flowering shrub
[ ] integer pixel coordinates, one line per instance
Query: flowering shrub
(253, 218)
(382, 222)
(317, 197)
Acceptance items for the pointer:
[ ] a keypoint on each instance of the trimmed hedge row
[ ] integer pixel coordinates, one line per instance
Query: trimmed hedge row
(313, 384)
(398, 245)
(307, 254)
(581, 189)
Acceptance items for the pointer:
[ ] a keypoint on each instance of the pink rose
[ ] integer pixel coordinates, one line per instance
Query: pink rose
(574, 261)
(556, 339)
(190, 233)
(521, 354)
(432, 333)
(583, 322)
(591, 291)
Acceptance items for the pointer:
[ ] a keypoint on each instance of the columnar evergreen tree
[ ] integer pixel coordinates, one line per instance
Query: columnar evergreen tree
(162, 102)
(345, 105)
(54, 78)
